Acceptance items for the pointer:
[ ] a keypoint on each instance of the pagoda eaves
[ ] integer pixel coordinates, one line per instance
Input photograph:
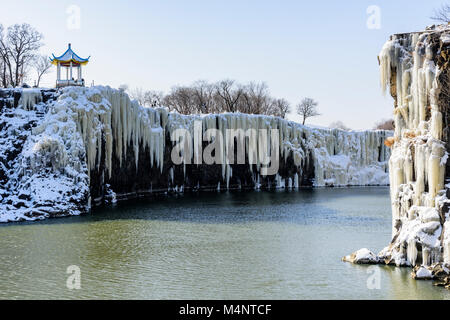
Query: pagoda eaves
(69, 60)
(69, 56)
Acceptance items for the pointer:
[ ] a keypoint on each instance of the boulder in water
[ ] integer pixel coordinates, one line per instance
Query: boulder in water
(362, 256)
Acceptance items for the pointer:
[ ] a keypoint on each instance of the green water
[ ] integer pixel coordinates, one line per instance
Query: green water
(253, 245)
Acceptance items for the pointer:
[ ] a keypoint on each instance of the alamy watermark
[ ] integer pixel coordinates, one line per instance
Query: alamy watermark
(73, 281)
(374, 280)
(73, 21)
(374, 18)
(261, 147)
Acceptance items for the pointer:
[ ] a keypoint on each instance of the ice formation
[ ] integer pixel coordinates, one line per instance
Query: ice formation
(410, 67)
(88, 145)
(415, 67)
(43, 167)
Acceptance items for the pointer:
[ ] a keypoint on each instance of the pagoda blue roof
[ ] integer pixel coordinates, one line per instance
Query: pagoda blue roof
(69, 56)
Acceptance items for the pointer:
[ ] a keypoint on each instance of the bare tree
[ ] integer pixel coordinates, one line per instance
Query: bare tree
(385, 125)
(4, 54)
(3, 81)
(339, 125)
(181, 100)
(42, 65)
(229, 94)
(153, 98)
(280, 107)
(204, 96)
(138, 94)
(307, 109)
(255, 98)
(22, 42)
(442, 14)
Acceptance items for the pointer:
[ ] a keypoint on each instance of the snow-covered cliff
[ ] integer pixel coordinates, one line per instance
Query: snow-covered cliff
(78, 147)
(415, 66)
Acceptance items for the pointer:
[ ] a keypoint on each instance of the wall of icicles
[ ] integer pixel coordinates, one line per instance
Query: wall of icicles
(91, 145)
(129, 149)
(415, 68)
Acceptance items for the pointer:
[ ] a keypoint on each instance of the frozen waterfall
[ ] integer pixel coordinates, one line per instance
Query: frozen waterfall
(93, 143)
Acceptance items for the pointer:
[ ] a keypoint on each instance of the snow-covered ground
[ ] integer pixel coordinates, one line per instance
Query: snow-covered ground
(84, 131)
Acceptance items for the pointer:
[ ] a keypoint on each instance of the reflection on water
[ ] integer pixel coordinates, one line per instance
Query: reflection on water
(252, 245)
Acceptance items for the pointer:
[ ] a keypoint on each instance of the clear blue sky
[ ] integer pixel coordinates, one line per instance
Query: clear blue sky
(319, 49)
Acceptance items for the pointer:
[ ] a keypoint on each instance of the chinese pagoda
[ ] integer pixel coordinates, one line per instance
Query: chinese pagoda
(69, 60)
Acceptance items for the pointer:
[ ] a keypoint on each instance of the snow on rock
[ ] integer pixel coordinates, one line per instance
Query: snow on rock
(47, 176)
(90, 145)
(422, 273)
(445, 37)
(362, 256)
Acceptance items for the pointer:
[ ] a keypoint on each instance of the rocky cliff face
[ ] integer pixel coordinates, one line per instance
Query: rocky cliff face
(68, 150)
(415, 66)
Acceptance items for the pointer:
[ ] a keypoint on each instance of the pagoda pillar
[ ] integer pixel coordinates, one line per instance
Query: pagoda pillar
(58, 72)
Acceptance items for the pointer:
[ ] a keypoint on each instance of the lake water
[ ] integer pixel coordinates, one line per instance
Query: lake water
(234, 245)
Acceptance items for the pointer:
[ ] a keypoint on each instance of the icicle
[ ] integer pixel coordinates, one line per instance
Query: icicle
(426, 256)
(447, 251)
(29, 98)
(418, 160)
(412, 252)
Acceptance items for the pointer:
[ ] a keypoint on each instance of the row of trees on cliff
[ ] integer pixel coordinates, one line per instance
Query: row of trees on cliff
(223, 96)
(19, 53)
(229, 96)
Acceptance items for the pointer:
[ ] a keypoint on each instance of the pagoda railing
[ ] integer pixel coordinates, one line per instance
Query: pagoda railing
(66, 83)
